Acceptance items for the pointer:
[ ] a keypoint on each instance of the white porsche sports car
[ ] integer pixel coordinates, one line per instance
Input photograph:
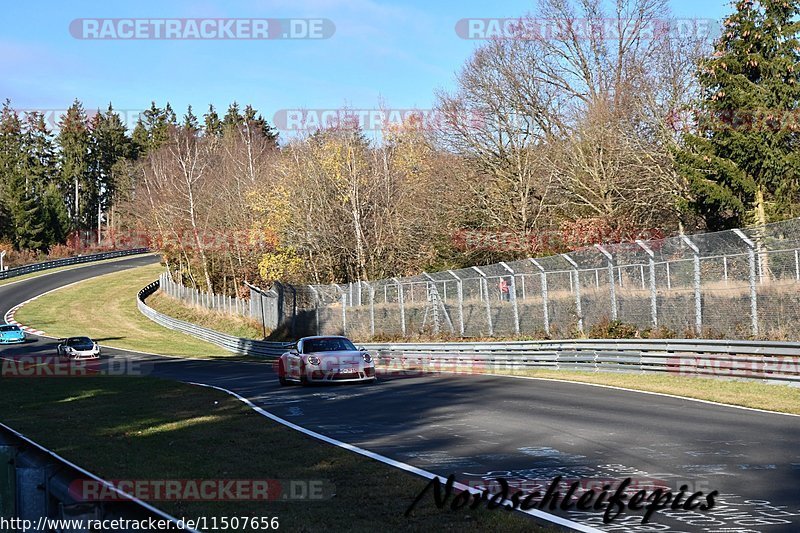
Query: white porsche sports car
(78, 348)
(325, 360)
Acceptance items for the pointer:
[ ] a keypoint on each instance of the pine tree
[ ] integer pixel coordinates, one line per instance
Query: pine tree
(233, 118)
(74, 142)
(742, 163)
(213, 125)
(190, 122)
(258, 124)
(54, 217)
(11, 160)
(110, 144)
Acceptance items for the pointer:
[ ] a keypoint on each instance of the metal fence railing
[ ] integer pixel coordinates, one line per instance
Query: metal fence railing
(57, 263)
(751, 360)
(731, 284)
(230, 343)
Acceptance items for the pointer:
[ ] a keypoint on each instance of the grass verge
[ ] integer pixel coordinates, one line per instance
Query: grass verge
(61, 269)
(149, 429)
(237, 326)
(779, 398)
(104, 308)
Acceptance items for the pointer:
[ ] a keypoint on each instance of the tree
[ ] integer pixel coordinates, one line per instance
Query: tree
(566, 120)
(74, 142)
(213, 125)
(110, 145)
(742, 161)
(11, 162)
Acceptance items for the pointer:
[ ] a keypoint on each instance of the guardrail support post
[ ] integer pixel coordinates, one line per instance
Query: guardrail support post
(513, 296)
(610, 259)
(577, 287)
(545, 313)
(460, 293)
(751, 257)
(401, 301)
(698, 303)
(653, 293)
(484, 283)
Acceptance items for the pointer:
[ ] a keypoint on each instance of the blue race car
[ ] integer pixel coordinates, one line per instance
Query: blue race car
(10, 334)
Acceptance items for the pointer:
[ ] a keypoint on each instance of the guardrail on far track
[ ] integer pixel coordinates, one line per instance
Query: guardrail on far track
(57, 263)
(754, 360)
(228, 342)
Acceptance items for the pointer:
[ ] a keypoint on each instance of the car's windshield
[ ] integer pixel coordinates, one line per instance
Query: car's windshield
(79, 341)
(332, 344)
(9, 328)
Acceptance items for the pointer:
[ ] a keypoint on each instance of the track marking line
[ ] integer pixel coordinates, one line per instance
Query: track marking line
(547, 517)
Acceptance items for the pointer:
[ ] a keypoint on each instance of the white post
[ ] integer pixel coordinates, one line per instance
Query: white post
(610, 259)
(545, 314)
(315, 292)
(513, 290)
(698, 304)
(578, 309)
(460, 293)
(401, 300)
(751, 256)
(653, 294)
(485, 285)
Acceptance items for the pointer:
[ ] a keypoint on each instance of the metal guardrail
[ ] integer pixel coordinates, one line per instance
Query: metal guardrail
(230, 343)
(46, 265)
(755, 360)
(770, 361)
(36, 483)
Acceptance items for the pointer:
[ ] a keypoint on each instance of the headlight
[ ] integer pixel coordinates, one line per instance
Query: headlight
(367, 357)
(312, 360)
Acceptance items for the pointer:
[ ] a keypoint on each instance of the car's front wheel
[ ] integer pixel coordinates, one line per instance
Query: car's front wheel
(282, 381)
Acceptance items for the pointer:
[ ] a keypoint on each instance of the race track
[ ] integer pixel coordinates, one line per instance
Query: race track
(482, 427)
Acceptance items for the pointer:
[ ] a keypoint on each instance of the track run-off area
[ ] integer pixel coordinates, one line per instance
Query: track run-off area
(525, 430)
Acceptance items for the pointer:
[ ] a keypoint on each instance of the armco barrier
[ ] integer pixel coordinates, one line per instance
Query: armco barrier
(228, 342)
(57, 263)
(36, 483)
(755, 360)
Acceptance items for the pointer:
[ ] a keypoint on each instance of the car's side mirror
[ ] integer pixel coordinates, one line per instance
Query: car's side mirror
(362, 349)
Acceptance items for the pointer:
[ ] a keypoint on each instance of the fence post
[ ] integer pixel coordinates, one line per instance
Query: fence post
(344, 312)
(315, 292)
(401, 301)
(371, 291)
(610, 259)
(513, 296)
(751, 257)
(460, 293)
(577, 286)
(263, 317)
(653, 294)
(797, 264)
(545, 313)
(485, 287)
(698, 304)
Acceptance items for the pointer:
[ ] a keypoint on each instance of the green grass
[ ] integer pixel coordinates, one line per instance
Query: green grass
(779, 398)
(104, 308)
(237, 326)
(149, 429)
(61, 269)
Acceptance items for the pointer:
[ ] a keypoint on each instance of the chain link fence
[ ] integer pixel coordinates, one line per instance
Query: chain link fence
(731, 284)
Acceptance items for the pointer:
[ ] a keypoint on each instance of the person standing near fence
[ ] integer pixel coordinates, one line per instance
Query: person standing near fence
(503, 285)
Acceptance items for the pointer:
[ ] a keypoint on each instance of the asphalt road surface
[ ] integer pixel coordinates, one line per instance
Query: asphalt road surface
(526, 431)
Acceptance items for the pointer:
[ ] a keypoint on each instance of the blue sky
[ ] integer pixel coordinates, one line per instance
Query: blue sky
(397, 53)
